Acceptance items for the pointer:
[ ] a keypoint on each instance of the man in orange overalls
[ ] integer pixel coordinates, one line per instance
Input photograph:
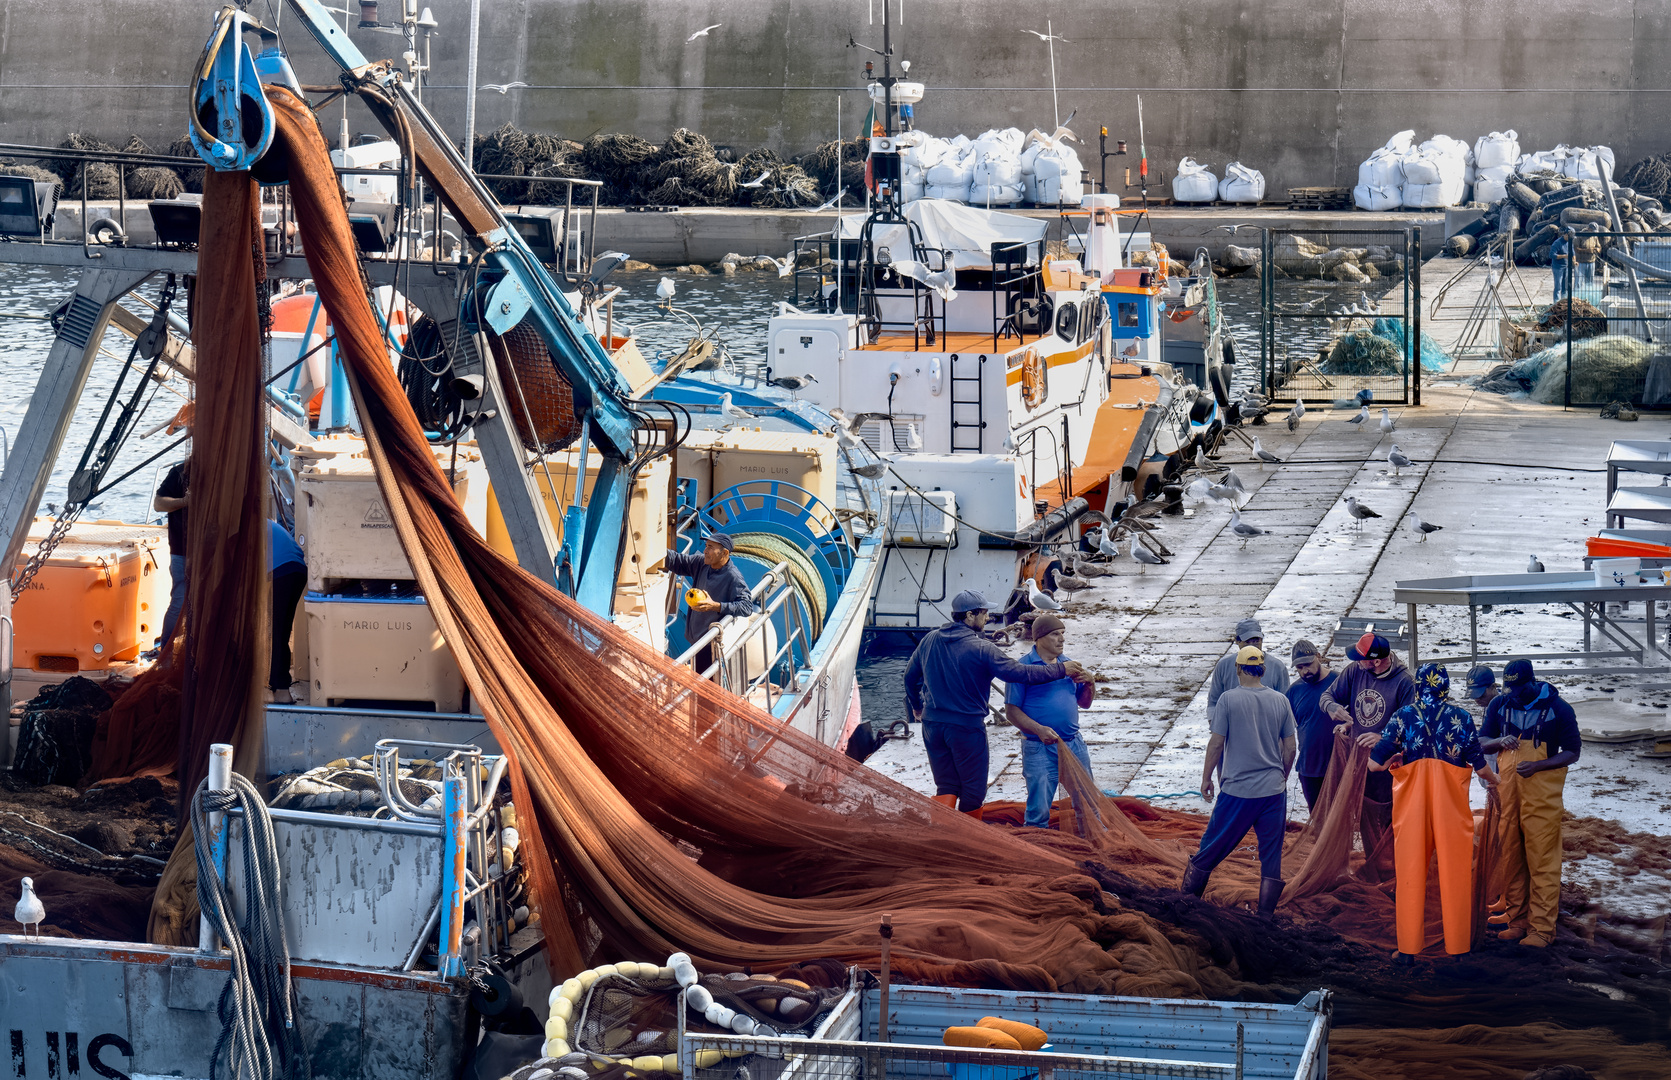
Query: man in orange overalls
(1430, 745)
(1535, 737)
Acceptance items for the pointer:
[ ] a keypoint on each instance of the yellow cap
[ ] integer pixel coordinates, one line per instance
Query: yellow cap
(1249, 657)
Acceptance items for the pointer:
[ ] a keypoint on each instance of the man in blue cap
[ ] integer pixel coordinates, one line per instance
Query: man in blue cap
(1248, 632)
(1535, 737)
(1482, 686)
(948, 684)
(724, 590)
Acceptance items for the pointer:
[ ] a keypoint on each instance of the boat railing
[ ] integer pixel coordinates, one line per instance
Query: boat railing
(746, 659)
(1011, 259)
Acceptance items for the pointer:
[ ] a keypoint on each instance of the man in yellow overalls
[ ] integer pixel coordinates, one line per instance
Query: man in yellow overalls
(1535, 737)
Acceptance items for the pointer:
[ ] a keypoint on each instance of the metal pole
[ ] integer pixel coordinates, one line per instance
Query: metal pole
(1410, 627)
(220, 779)
(1056, 109)
(1572, 240)
(470, 85)
(1416, 331)
(887, 937)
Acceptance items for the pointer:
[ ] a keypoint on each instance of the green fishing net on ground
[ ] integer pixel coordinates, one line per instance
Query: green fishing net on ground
(1364, 353)
(1604, 369)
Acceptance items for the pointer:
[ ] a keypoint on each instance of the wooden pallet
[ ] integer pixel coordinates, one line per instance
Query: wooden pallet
(1320, 198)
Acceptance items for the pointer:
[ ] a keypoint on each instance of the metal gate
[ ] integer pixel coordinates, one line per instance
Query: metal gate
(1613, 309)
(1340, 314)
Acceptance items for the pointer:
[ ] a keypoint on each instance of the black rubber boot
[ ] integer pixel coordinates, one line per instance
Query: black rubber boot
(1195, 879)
(1270, 891)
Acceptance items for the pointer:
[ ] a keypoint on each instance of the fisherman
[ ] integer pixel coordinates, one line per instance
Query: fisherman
(1305, 697)
(1482, 686)
(947, 684)
(173, 498)
(1361, 701)
(1534, 734)
(1048, 716)
(1428, 747)
(288, 574)
(1248, 632)
(1559, 265)
(1253, 747)
(724, 592)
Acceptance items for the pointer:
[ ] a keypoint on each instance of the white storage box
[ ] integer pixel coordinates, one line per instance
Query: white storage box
(925, 520)
(379, 648)
(1617, 573)
(343, 525)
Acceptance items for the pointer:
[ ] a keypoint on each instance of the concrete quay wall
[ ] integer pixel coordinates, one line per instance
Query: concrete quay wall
(1300, 89)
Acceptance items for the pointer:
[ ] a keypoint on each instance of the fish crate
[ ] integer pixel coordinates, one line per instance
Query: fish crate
(1320, 198)
(1347, 631)
(97, 600)
(380, 649)
(343, 525)
(1092, 1037)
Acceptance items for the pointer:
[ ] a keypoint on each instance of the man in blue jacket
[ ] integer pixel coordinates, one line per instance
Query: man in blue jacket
(1316, 729)
(947, 686)
(721, 582)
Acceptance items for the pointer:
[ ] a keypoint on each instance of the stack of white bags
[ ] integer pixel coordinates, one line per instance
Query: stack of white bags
(1436, 173)
(1000, 168)
(1495, 156)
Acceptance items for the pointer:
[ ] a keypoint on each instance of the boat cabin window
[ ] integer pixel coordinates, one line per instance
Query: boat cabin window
(1129, 315)
(1067, 321)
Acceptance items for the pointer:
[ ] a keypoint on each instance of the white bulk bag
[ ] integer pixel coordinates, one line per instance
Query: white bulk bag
(1382, 169)
(1401, 142)
(1241, 184)
(1497, 149)
(1431, 196)
(910, 191)
(995, 194)
(1491, 184)
(1372, 197)
(949, 192)
(1422, 168)
(1586, 164)
(1055, 174)
(1546, 160)
(950, 171)
(998, 170)
(1193, 183)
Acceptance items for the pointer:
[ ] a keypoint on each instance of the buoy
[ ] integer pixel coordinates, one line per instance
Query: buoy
(556, 1048)
(698, 997)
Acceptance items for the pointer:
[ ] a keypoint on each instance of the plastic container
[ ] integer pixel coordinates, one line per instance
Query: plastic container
(382, 648)
(645, 542)
(1617, 573)
(98, 600)
(343, 525)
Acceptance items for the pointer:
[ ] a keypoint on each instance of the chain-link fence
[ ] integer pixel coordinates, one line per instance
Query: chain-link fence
(1605, 340)
(1340, 314)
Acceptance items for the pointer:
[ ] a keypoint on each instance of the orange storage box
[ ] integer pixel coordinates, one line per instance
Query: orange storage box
(98, 600)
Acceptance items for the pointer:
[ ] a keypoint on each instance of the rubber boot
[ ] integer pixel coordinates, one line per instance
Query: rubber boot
(1195, 879)
(1270, 891)
(975, 813)
(949, 801)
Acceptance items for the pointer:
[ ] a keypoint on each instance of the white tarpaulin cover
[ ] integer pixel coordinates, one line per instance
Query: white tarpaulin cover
(968, 231)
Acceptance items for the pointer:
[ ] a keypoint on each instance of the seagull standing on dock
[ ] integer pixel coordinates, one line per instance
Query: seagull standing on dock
(1107, 548)
(1265, 456)
(30, 911)
(1296, 413)
(793, 383)
(1533, 566)
(1396, 458)
(1146, 557)
(703, 32)
(1421, 528)
(1388, 426)
(1358, 420)
(1243, 531)
(1360, 513)
(1072, 583)
(1039, 599)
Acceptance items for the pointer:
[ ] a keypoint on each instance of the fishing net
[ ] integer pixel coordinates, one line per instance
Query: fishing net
(788, 187)
(33, 172)
(99, 178)
(55, 740)
(192, 178)
(615, 157)
(1477, 1052)
(1650, 176)
(1364, 353)
(839, 163)
(139, 735)
(1608, 368)
(150, 181)
(1584, 319)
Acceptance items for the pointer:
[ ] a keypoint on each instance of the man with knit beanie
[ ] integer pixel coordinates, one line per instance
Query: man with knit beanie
(1048, 716)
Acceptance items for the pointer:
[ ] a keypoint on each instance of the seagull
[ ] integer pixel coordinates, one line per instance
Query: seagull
(758, 181)
(501, 88)
(1146, 557)
(785, 266)
(943, 282)
(1107, 548)
(913, 438)
(1359, 512)
(1231, 479)
(665, 290)
(1533, 566)
(1234, 229)
(1048, 37)
(1085, 568)
(1203, 462)
(1040, 600)
(872, 471)
(1363, 414)
(825, 206)
(1296, 413)
(844, 438)
(793, 383)
(1396, 458)
(732, 412)
(1265, 456)
(1197, 491)
(29, 910)
(703, 32)
(1421, 528)
(1072, 584)
(1224, 493)
(1242, 530)
(1388, 426)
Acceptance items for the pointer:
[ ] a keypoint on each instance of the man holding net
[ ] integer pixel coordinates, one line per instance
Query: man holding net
(1361, 701)
(947, 685)
(1253, 749)
(1048, 716)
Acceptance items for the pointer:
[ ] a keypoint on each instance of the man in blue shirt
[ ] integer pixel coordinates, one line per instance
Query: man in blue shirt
(947, 684)
(1316, 729)
(1048, 716)
(721, 583)
(288, 573)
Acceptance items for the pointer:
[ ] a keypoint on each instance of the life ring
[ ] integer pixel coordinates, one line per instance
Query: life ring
(1034, 380)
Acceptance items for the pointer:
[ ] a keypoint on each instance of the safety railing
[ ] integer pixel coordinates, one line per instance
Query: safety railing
(733, 663)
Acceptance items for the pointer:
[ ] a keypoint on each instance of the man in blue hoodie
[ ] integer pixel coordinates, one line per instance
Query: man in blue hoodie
(947, 686)
(724, 592)
(1535, 737)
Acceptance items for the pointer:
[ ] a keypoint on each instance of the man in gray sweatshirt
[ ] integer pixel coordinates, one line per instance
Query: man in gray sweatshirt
(1248, 634)
(948, 684)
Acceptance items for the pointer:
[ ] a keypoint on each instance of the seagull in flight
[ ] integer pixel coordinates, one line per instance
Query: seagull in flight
(501, 88)
(1360, 513)
(1048, 37)
(1242, 530)
(1421, 528)
(758, 181)
(825, 206)
(1358, 420)
(703, 32)
(1264, 455)
(1396, 458)
(1039, 599)
(1388, 425)
(943, 282)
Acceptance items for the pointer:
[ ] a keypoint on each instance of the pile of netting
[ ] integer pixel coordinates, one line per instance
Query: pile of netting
(1650, 176)
(685, 170)
(1613, 367)
(103, 180)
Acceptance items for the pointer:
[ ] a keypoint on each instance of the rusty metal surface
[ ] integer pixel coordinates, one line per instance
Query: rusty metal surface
(139, 1010)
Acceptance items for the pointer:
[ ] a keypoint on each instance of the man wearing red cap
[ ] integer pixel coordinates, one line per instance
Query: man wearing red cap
(1362, 700)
